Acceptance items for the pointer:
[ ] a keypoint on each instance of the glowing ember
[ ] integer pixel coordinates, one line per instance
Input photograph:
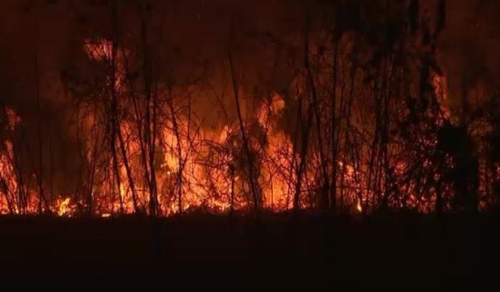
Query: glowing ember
(358, 207)
(64, 207)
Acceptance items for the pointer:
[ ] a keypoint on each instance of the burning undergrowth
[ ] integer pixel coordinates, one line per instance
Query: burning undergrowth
(359, 122)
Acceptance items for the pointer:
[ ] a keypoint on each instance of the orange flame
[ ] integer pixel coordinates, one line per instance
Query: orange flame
(197, 167)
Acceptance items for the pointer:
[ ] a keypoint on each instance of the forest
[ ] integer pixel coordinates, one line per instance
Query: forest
(333, 108)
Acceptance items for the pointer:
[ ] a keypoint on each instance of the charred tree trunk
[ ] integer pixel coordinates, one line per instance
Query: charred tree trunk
(246, 146)
(151, 140)
(154, 204)
(117, 134)
(325, 184)
(150, 117)
(306, 129)
(178, 147)
(372, 168)
(127, 168)
(40, 176)
(113, 119)
(142, 119)
(116, 169)
(384, 139)
(332, 201)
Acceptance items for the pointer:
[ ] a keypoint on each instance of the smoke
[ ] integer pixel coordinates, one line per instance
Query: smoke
(469, 45)
(199, 31)
(38, 39)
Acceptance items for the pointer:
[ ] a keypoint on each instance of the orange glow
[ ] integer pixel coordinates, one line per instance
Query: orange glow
(358, 207)
(198, 167)
(440, 90)
(64, 207)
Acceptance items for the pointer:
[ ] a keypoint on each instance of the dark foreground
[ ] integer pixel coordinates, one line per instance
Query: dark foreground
(359, 252)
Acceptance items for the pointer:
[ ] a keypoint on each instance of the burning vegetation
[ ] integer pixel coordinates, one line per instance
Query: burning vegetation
(362, 121)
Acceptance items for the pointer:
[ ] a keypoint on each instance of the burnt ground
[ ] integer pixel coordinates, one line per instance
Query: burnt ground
(411, 249)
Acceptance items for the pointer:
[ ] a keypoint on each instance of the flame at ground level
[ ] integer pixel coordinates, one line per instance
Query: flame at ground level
(206, 170)
(172, 164)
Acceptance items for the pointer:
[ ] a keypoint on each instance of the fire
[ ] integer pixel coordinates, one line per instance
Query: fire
(440, 90)
(64, 207)
(196, 167)
(148, 151)
(358, 207)
(10, 201)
